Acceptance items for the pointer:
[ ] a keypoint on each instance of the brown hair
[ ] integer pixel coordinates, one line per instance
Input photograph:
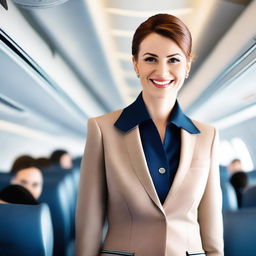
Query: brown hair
(22, 162)
(166, 25)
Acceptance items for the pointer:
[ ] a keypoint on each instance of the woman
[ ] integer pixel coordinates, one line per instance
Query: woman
(149, 169)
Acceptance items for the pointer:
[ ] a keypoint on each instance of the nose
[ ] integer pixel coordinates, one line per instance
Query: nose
(162, 69)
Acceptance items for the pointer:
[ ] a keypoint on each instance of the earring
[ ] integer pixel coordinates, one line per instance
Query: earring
(138, 75)
(187, 75)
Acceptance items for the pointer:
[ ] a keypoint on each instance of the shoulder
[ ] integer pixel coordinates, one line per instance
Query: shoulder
(208, 133)
(204, 127)
(106, 120)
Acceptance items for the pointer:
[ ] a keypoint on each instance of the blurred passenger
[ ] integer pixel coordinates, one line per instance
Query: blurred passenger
(16, 194)
(61, 158)
(235, 166)
(239, 181)
(26, 173)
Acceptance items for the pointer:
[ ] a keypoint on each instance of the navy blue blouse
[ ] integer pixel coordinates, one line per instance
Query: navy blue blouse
(162, 157)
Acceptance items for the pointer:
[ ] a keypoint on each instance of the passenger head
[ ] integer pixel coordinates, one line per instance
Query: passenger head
(22, 162)
(235, 166)
(62, 158)
(27, 174)
(17, 194)
(161, 50)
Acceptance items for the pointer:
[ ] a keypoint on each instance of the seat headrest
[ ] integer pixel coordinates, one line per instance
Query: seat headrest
(26, 230)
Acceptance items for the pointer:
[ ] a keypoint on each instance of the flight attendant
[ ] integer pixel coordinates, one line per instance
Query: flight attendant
(148, 169)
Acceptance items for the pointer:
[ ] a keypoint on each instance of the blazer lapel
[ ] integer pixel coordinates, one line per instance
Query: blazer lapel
(187, 148)
(138, 160)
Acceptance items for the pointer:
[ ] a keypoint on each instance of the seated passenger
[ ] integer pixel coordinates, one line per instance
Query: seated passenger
(235, 166)
(16, 194)
(239, 181)
(26, 174)
(62, 159)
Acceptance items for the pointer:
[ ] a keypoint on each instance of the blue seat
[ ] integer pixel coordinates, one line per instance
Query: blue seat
(240, 232)
(249, 197)
(26, 230)
(251, 177)
(77, 162)
(71, 180)
(229, 199)
(55, 194)
(224, 175)
(5, 179)
(67, 177)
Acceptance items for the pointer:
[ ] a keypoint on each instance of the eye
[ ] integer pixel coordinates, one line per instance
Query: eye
(173, 60)
(150, 59)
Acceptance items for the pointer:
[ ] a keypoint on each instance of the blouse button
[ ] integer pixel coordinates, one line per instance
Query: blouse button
(162, 170)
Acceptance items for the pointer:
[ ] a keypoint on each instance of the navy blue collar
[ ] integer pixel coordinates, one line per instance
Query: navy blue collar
(136, 113)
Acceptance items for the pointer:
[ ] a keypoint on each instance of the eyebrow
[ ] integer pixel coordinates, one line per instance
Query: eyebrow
(154, 55)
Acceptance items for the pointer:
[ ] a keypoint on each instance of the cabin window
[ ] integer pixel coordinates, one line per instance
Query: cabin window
(235, 148)
(242, 153)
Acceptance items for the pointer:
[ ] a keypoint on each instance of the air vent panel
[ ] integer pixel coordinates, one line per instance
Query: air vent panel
(31, 4)
(9, 104)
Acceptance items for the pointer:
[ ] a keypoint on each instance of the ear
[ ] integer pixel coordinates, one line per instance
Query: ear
(188, 65)
(135, 65)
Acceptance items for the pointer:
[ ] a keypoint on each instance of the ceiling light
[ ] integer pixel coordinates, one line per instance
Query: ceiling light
(30, 4)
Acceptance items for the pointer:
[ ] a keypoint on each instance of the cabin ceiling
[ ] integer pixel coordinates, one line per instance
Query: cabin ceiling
(94, 37)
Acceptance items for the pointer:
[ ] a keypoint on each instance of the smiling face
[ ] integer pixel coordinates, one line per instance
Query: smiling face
(161, 66)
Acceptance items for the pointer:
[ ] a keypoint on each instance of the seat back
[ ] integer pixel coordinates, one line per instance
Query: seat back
(26, 230)
(251, 177)
(249, 197)
(240, 232)
(229, 199)
(56, 196)
(71, 180)
(5, 179)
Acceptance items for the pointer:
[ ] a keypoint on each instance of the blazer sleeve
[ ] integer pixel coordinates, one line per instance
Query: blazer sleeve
(92, 195)
(210, 208)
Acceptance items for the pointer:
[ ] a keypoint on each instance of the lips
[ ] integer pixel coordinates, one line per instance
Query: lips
(161, 83)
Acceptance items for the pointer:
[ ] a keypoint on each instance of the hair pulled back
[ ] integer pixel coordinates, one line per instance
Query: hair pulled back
(166, 25)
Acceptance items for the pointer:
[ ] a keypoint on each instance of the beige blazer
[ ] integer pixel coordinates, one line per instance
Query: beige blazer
(115, 182)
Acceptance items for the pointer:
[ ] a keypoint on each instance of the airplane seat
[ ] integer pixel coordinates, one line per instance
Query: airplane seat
(239, 232)
(75, 174)
(224, 175)
(26, 230)
(77, 162)
(66, 176)
(56, 196)
(251, 177)
(5, 180)
(249, 197)
(229, 199)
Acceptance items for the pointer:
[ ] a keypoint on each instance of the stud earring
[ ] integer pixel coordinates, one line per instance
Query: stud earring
(138, 75)
(187, 75)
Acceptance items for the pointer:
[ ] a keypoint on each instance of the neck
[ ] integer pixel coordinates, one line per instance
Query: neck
(159, 108)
